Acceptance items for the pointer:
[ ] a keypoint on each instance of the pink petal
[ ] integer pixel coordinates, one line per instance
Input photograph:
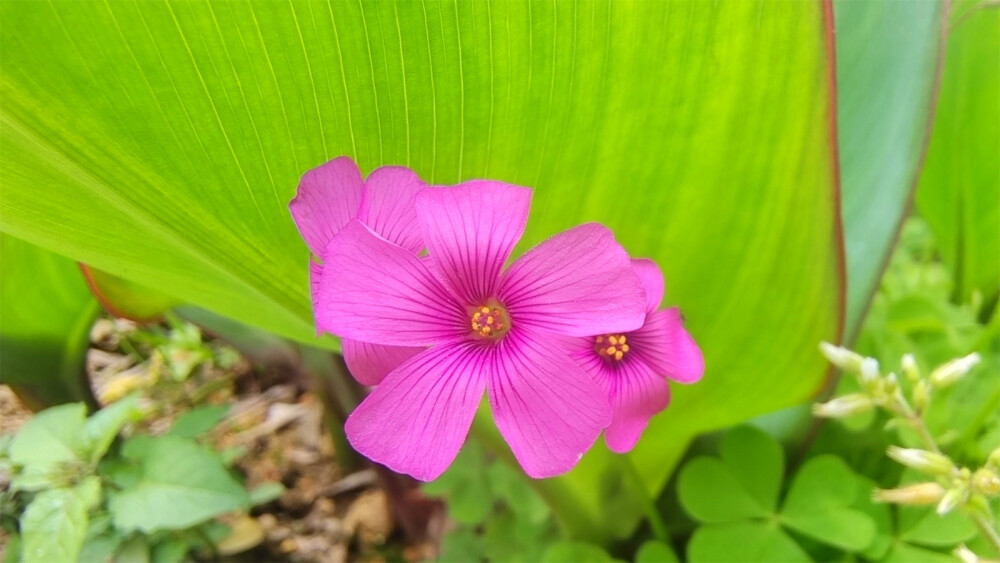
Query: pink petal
(547, 408)
(470, 231)
(388, 206)
(579, 282)
(416, 420)
(370, 363)
(652, 281)
(327, 199)
(667, 347)
(375, 291)
(636, 393)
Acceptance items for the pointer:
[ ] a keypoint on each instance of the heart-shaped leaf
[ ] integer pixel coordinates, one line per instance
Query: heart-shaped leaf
(818, 505)
(710, 491)
(923, 526)
(743, 541)
(758, 463)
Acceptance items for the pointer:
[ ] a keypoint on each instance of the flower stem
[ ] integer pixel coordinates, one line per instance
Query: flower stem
(988, 531)
(903, 409)
(635, 482)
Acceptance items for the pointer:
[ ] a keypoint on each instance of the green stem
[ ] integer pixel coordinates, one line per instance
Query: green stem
(635, 482)
(903, 409)
(988, 531)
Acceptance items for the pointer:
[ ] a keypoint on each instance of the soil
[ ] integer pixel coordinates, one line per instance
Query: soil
(278, 433)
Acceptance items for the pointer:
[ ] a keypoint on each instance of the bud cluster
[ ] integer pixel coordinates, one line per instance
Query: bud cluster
(948, 486)
(884, 391)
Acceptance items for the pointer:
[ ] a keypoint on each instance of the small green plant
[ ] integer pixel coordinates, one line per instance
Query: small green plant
(736, 499)
(77, 493)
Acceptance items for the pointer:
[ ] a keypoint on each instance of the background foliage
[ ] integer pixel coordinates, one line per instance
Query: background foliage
(762, 159)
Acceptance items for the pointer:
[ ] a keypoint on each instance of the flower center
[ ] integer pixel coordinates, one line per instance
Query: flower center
(490, 321)
(611, 346)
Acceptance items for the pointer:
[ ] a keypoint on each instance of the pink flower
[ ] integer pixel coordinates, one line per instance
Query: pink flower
(328, 198)
(485, 329)
(633, 366)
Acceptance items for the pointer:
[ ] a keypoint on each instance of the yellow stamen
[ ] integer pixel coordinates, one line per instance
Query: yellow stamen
(611, 350)
(624, 348)
(621, 339)
(485, 310)
(489, 320)
(619, 354)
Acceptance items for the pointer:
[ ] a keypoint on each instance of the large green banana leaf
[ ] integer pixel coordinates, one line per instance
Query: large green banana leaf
(959, 192)
(888, 59)
(160, 142)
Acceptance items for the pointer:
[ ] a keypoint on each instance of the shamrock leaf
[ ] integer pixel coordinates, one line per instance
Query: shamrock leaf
(818, 505)
(743, 484)
(744, 541)
(736, 496)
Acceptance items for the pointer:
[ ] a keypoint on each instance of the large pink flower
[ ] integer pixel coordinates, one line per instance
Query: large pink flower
(633, 367)
(328, 198)
(486, 328)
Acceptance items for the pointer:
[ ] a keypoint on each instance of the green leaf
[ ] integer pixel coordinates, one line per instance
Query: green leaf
(958, 193)
(54, 525)
(266, 492)
(47, 313)
(881, 136)
(12, 551)
(905, 553)
(135, 550)
(880, 514)
(198, 421)
(127, 299)
(47, 447)
(574, 552)
(758, 463)
(710, 492)
(512, 486)
(169, 550)
(743, 541)
(817, 505)
(466, 486)
(184, 128)
(181, 484)
(922, 526)
(101, 428)
(655, 551)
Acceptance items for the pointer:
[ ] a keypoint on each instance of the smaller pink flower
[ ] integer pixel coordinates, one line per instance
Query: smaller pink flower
(633, 367)
(328, 198)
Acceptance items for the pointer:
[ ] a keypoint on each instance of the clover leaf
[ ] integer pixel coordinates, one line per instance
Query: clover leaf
(736, 497)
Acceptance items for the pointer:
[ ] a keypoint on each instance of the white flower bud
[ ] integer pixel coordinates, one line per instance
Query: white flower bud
(965, 554)
(922, 494)
(841, 357)
(841, 407)
(928, 462)
(869, 370)
(954, 370)
(986, 482)
(952, 499)
(891, 384)
(909, 368)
